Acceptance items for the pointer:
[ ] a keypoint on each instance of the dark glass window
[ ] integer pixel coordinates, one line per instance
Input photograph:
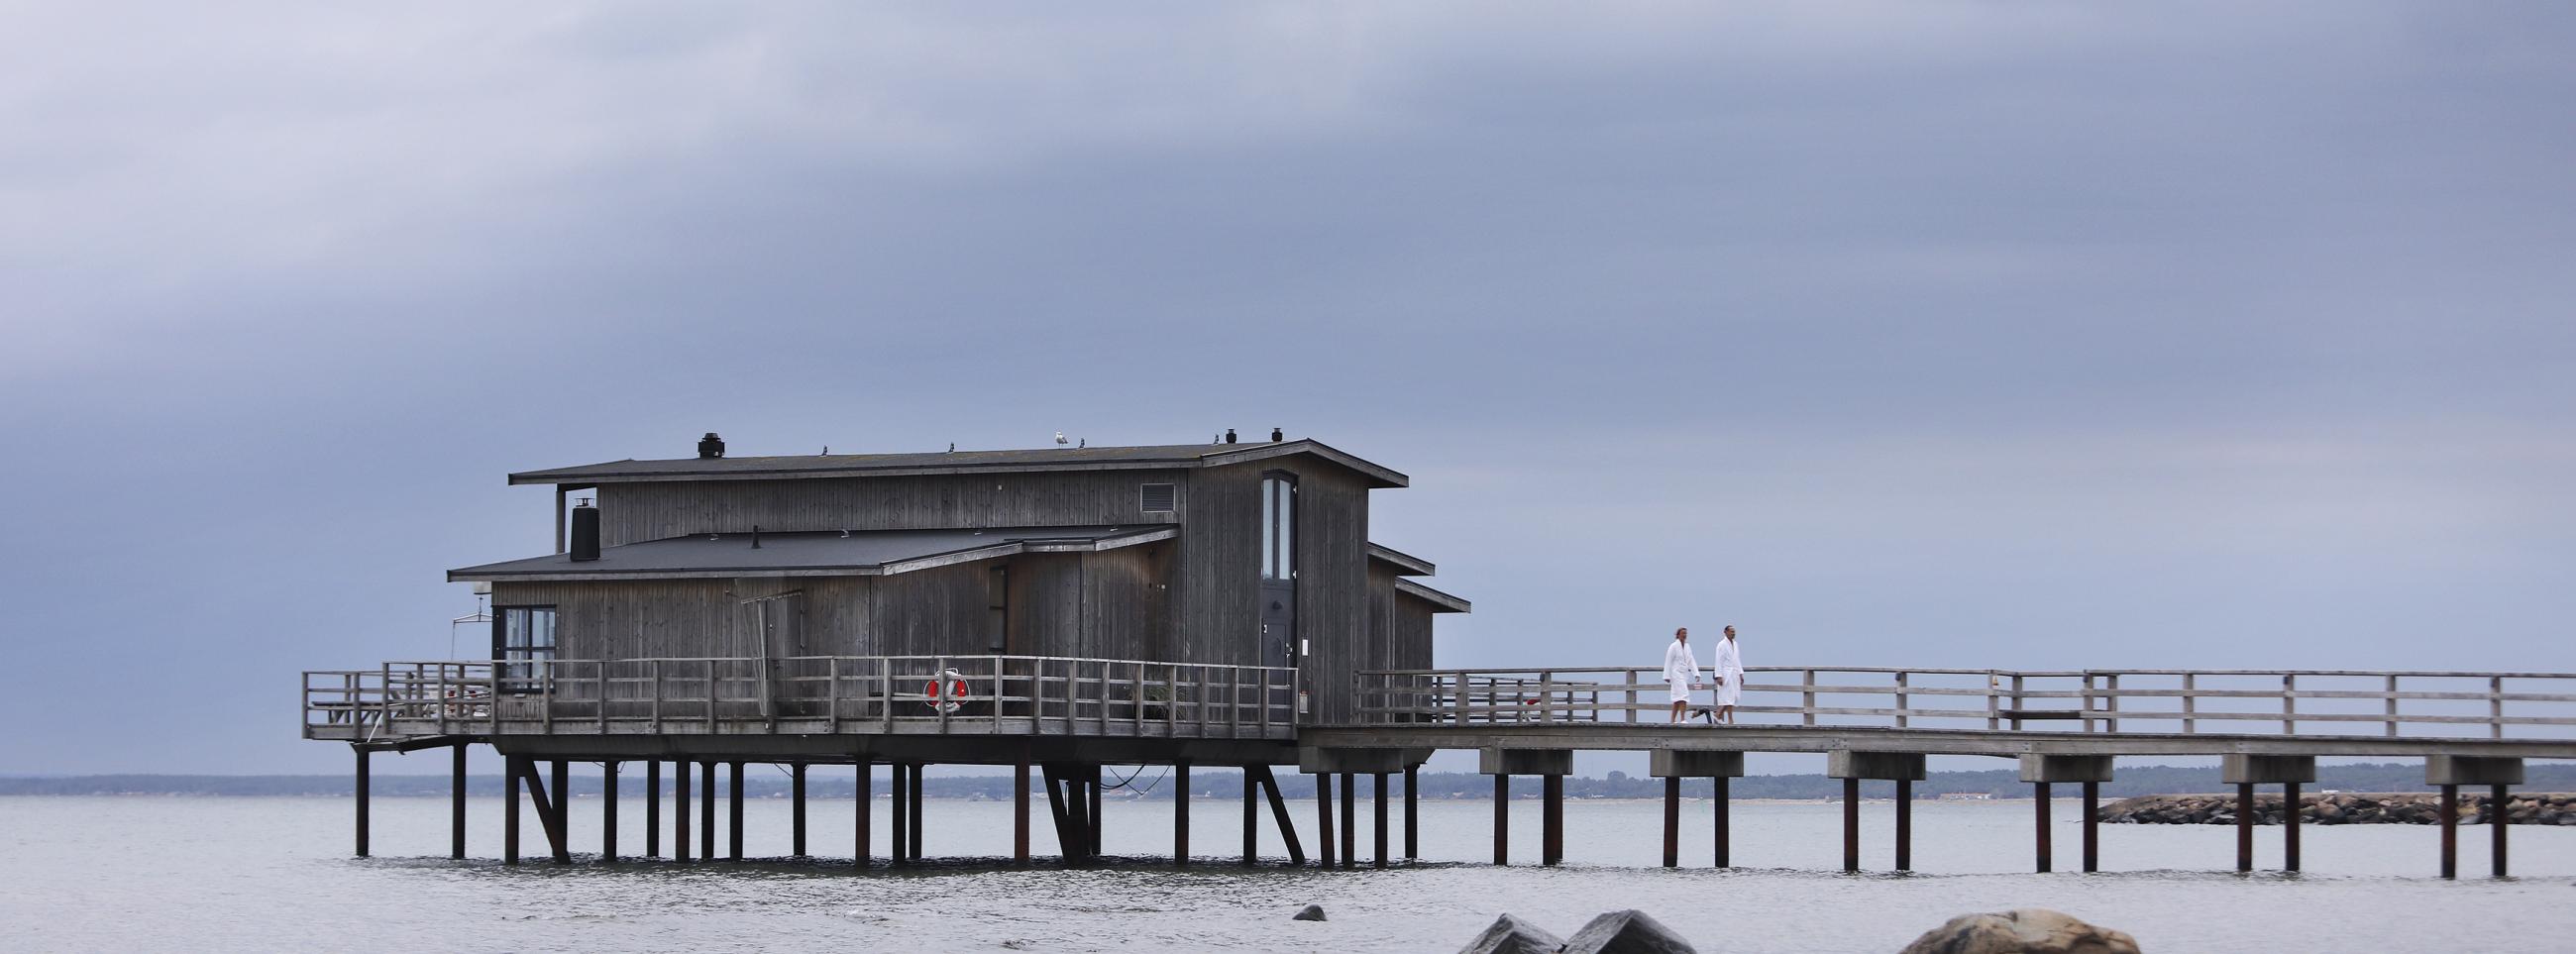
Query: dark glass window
(1278, 527)
(522, 638)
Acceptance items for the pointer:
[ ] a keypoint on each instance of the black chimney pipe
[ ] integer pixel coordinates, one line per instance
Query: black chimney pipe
(585, 533)
(1229, 435)
(1276, 436)
(710, 447)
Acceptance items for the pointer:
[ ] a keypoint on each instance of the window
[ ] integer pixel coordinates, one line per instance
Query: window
(1278, 526)
(522, 637)
(1155, 498)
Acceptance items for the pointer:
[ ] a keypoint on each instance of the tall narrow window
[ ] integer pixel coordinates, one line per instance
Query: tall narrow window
(522, 638)
(1278, 527)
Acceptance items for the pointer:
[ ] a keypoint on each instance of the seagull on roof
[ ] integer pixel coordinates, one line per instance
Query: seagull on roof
(1059, 438)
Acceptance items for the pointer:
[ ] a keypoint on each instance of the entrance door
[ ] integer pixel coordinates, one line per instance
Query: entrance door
(1279, 569)
(781, 619)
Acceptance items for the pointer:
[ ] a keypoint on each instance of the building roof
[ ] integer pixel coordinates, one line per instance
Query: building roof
(1165, 456)
(814, 553)
(1405, 564)
(1440, 602)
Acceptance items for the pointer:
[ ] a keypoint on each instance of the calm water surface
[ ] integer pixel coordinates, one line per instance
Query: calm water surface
(219, 874)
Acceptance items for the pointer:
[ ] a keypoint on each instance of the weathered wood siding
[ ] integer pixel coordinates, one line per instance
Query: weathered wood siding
(1411, 647)
(1332, 586)
(1216, 602)
(940, 611)
(1125, 606)
(636, 512)
(645, 619)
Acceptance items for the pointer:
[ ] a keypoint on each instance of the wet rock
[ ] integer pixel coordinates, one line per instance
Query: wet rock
(2024, 931)
(1312, 912)
(1626, 932)
(1511, 935)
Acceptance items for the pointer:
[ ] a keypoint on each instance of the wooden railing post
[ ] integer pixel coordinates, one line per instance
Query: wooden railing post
(2392, 707)
(1809, 715)
(1994, 702)
(1902, 709)
(2111, 703)
(2289, 704)
(2495, 722)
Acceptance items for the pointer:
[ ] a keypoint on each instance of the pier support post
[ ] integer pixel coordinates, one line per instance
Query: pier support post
(707, 811)
(1090, 811)
(1904, 825)
(1377, 786)
(1181, 814)
(1350, 820)
(1673, 822)
(652, 808)
(1674, 765)
(679, 811)
(1020, 810)
(456, 804)
(733, 812)
(896, 815)
(1719, 795)
(559, 834)
(361, 800)
(1279, 814)
(1551, 765)
(608, 812)
(510, 810)
(2047, 847)
(2452, 771)
(2092, 827)
(1251, 819)
(2247, 771)
(796, 808)
(2089, 770)
(864, 815)
(1324, 819)
(1852, 766)
(1412, 816)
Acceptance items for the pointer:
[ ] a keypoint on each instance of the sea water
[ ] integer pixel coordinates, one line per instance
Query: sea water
(275, 874)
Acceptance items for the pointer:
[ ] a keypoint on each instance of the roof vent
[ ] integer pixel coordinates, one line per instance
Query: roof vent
(1229, 435)
(1276, 436)
(1155, 498)
(710, 447)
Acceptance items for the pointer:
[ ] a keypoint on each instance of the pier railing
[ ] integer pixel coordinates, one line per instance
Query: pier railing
(2497, 705)
(933, 695)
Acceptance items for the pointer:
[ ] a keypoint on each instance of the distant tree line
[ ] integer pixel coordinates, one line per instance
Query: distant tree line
(761, 781)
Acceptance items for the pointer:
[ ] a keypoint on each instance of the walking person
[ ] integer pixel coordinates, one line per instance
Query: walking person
(1681, 671)
(1730, 676)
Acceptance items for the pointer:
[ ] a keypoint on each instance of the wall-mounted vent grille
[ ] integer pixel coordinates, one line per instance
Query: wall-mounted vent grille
(1156, 498)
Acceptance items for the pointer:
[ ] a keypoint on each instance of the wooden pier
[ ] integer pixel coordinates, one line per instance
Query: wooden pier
(1066, 717)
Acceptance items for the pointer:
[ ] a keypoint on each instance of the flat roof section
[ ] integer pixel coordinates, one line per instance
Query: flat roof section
(953, 462)
(812, 553)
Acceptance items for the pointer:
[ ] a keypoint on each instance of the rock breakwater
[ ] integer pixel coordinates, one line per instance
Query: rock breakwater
(2340, 808)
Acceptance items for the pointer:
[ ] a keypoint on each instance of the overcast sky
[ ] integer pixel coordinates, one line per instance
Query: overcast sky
(1925, 334)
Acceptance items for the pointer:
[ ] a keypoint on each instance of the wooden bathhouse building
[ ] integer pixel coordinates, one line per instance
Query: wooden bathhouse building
(1054, 609)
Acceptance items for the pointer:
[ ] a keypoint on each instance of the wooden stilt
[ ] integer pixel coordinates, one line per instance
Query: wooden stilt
(679, 811)
(1324, 819)
(2450, 831)
(2039, 831)
(1069, 841)
(796, 808)
(361, 800)
(733, 812)
(865, 815)
(456, 804)
(1251, 819)
(559, 832)
(1377, 787)
(1904, 825)
(1851, 825)
(1181, 814)
(1673, 822)
(1279, 815)
(1020, 811)
(2499, 818)
(707, 810)
(2244, 827)
(898, 817)
(652, 808)
(2092, 827)
(608, 812)
(1502, 819)
(2289, 826)
(1090, 811)
(1551, 819)
(1719, 790)
(1350, 820)
(510, 810)
(913, 805)
(1412, 817)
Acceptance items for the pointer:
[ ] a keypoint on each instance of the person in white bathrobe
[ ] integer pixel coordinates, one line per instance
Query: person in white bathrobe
(1681, 671)
(1730, 676)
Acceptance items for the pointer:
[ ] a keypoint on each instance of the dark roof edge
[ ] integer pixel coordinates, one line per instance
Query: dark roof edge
(578, 476)
(1383, 478)
(1407, 564)
(1143, 534)
(1440, 602)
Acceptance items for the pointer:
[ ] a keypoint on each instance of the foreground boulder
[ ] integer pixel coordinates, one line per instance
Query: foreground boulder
(1511, 935)
(1312, 912)
(1627, 932)
(2026, 931)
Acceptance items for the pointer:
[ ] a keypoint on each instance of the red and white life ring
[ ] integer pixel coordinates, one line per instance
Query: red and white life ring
(948, 702)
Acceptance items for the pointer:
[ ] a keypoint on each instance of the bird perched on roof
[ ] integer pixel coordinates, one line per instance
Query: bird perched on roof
(1059, 438)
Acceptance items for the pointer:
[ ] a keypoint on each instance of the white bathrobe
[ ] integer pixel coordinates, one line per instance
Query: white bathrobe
(1730, 667)
(1681, 669)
